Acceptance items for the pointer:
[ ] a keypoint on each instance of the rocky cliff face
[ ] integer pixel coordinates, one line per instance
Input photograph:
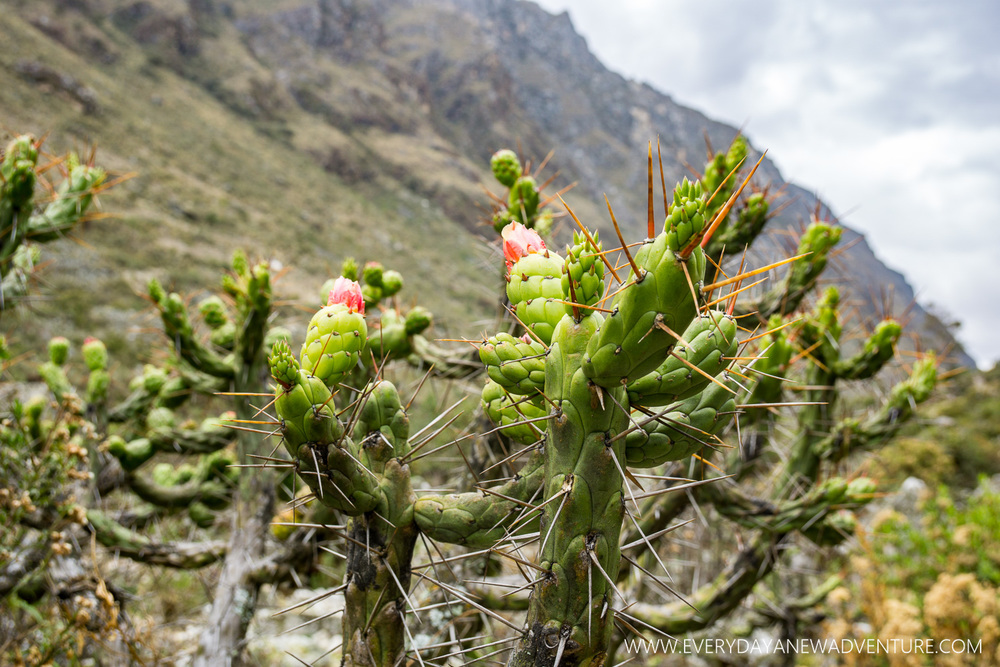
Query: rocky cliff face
(421, 92)
(489, 73)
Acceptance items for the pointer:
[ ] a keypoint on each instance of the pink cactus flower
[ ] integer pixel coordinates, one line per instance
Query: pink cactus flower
(519, 241)
(347, 292)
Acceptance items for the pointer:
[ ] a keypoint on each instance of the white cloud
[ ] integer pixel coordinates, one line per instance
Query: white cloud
(893, 108)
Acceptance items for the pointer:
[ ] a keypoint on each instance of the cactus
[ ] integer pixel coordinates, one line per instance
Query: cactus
(593, 382)
(563, 364)
(592, 389)
(24, 223)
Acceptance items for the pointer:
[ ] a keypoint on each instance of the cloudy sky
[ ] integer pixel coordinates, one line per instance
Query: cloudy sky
(889, 110)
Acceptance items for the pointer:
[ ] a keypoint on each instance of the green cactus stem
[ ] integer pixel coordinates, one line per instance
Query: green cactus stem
(660, 300)
(570, 614)
(814, 247)
(712, 343)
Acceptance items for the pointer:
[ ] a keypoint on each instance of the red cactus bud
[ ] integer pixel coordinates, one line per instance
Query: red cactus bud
(347, 292)
(519, 241)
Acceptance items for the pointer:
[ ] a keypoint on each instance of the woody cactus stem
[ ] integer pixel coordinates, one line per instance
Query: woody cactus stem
(381, 541)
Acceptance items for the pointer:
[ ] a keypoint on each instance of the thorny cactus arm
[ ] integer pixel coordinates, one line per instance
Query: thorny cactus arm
(712, 343)
(250, 287)
(155, 388)
(70, 203)
(732, 235)
(682, 430)
(660, 297)
(128, 543)
(820, 337)
(815, 245)
(380, 541)
(481, 519)
(210, 436)
(251, 291)
(179, 330)
(21, 226)
(365, 477)
(850, 435)
(570, 610)
(17, 189)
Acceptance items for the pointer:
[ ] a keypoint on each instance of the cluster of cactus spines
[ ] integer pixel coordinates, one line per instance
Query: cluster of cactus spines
(23, 225)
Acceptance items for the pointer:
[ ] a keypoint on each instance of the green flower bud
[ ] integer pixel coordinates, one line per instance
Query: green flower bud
(372, 295)
(161, 418)
(417, 320)
(213, 311)
(583, 279)
(58, 350)
(95, 354)
(284, 367)
(274, 334)
(241, 266)
(372, 274)
(349, 270)
(686, 217)
(153, 378)
(392, 282)
(523, 202)
(506, 167)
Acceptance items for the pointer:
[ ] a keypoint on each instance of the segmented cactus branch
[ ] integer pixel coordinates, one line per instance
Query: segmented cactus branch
(24, 222)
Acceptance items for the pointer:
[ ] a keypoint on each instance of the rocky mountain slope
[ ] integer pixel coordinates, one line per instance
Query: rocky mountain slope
(308, 130)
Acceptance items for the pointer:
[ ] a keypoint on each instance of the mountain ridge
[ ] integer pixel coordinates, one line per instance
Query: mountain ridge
(400, 102)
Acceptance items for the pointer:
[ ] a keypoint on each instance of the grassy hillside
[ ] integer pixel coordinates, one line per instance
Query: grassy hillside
(208, 180)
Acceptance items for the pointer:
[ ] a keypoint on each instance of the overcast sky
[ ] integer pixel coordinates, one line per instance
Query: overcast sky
(888, 109)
